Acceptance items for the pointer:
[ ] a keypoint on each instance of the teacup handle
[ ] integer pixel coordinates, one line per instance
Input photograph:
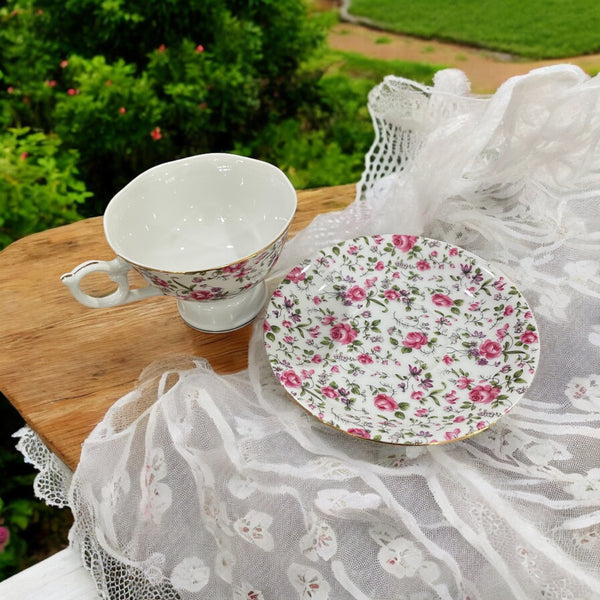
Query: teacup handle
(117, 271)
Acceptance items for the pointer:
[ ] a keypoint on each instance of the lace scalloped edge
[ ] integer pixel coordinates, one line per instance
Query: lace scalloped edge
(53, 481)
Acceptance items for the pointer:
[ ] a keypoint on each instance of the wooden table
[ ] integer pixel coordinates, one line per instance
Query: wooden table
(62, 365)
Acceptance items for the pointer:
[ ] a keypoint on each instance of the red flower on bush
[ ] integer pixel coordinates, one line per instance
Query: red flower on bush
(4, 537)
(156, 134)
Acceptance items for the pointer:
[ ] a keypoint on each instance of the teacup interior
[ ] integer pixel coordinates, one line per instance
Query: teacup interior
(198, 213)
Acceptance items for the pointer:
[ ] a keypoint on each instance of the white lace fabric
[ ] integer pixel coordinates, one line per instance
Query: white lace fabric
(198, 485)
(53, 479)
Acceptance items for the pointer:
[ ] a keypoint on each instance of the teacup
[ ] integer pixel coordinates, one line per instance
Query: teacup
(205, 229)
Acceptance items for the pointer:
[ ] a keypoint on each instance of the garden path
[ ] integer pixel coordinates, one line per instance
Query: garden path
(486, 70)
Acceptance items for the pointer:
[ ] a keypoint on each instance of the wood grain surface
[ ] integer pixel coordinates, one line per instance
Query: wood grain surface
(62, 365)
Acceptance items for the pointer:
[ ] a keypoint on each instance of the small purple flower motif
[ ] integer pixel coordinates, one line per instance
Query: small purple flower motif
(414, 371)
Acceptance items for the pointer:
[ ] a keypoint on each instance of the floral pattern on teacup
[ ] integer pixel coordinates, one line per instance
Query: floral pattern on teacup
(401, 339)
(214, 284)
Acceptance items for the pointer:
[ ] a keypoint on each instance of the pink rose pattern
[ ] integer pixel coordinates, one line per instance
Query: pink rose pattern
(401, 339)
(217, 283)
(343, 333)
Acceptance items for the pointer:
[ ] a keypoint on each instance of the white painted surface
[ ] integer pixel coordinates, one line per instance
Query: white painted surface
(59, 577)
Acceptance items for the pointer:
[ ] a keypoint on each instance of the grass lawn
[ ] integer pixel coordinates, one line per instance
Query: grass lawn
(371, 71)
(529, 28)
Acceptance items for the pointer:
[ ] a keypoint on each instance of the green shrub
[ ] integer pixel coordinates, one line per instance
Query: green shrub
(112, 116)
(28, 66)
(131, 84)
(326, 142)
(39, 187)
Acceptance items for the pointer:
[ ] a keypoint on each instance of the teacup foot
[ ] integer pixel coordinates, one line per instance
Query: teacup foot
(225, 314)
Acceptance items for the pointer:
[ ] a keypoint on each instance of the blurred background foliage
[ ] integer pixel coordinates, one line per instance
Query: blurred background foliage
(105, 89)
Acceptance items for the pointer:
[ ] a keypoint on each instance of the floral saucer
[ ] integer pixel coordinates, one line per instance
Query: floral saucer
(401, 339)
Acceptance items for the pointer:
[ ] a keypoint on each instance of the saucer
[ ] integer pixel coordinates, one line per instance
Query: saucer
(401, 339)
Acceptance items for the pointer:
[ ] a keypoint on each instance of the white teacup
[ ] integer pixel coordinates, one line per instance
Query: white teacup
(205, 229)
